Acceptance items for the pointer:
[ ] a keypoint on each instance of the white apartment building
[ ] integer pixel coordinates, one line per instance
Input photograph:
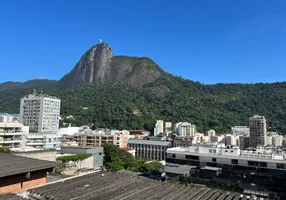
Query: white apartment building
(277, 140)
(40, 112)
(186, 129)
(168, 126)
(159, 127)
(240, 130)
(44, 140)
(257, 127)
(11, 131)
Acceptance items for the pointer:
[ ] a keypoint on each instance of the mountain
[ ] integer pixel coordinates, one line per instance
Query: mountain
(122, 92)
(99, 65)
(28, 84)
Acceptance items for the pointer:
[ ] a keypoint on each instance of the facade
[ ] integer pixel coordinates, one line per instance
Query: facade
(19, 173)
(183, 141)
(95, 139)
(155, 150)
(11, 131)
(159, 127)
(277, 140)
(97, 154)
(210, 133)
(240, 130)
(257, 127)
(40, 112)
(243, 142)
(186, 129)
(168, 126)
(44, 140)
(264, 164)
(231, 140)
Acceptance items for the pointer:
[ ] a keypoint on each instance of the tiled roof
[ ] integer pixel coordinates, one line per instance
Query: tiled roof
(11, 164)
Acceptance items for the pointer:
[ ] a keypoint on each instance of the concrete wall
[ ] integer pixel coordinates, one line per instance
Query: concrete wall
(73, 167)
(49, 155)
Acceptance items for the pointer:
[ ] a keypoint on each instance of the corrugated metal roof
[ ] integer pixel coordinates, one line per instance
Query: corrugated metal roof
(12, 165)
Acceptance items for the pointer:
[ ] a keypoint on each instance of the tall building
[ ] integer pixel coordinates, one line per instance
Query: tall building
(159, 127)
(40, 112)
(257, 128)
(186, 129)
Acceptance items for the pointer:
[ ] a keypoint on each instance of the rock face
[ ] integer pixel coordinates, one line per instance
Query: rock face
(99, 65)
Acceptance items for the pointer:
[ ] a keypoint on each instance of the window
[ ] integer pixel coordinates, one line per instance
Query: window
(190, 157)
(174, 156)
(213, 159)
(210, 151)
(100, 154)
(234, 161)
(280, 166)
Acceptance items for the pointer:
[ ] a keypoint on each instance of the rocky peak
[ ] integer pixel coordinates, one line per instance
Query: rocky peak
(99, 65)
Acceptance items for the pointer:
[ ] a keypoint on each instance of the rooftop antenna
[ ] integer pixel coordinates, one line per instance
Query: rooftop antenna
(100, 41)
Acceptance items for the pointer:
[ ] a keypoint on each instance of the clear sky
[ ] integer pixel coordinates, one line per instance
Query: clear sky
(210, 41)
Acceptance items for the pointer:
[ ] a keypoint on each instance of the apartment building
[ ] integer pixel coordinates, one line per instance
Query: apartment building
(40, 112)
(11, 131)
(97, 139)
(186, 129)
(257, 129)
(159, 127)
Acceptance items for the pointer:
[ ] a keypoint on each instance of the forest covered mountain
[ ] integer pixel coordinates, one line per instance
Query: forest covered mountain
(114, 87)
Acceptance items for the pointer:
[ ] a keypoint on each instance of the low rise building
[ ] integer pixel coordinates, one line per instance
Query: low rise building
(147, 149)
(98, 139)
(240, 130)
(19, 173)
(261, 164)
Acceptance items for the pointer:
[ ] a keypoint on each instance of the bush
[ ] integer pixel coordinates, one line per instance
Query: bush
(5, 150)
(74, 158)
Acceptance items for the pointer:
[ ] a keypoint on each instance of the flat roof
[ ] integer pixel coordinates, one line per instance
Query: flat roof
(12, 165)
(80, 147)
(122, 185)
(149, 142)
(10, 196)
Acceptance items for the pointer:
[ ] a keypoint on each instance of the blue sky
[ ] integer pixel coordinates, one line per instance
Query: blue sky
(208, 41)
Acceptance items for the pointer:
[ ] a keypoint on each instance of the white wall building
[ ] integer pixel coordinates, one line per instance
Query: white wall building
(240, 130)
(159, 127)
(168, 126)
(11, 131)
(277, 140)
(186, 129)
(40, 112)
(68, 130)
(210, 133)
(231, 140)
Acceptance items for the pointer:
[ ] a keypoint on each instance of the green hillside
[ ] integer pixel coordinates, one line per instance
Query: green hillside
(170, 98)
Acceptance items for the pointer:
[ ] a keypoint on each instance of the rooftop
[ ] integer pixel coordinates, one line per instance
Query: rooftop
(12, 165)
(149, 142)
(127, 186)
(10, 196)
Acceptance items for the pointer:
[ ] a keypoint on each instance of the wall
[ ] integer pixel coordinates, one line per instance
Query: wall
(19, 183)
(49, 155)
(72, 167)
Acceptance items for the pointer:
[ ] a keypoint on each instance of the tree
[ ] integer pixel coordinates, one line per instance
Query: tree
(116, 164)
(150, 167)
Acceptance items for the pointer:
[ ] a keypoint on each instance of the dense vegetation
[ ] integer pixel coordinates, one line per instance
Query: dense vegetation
(170, 98)
(116, 159)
